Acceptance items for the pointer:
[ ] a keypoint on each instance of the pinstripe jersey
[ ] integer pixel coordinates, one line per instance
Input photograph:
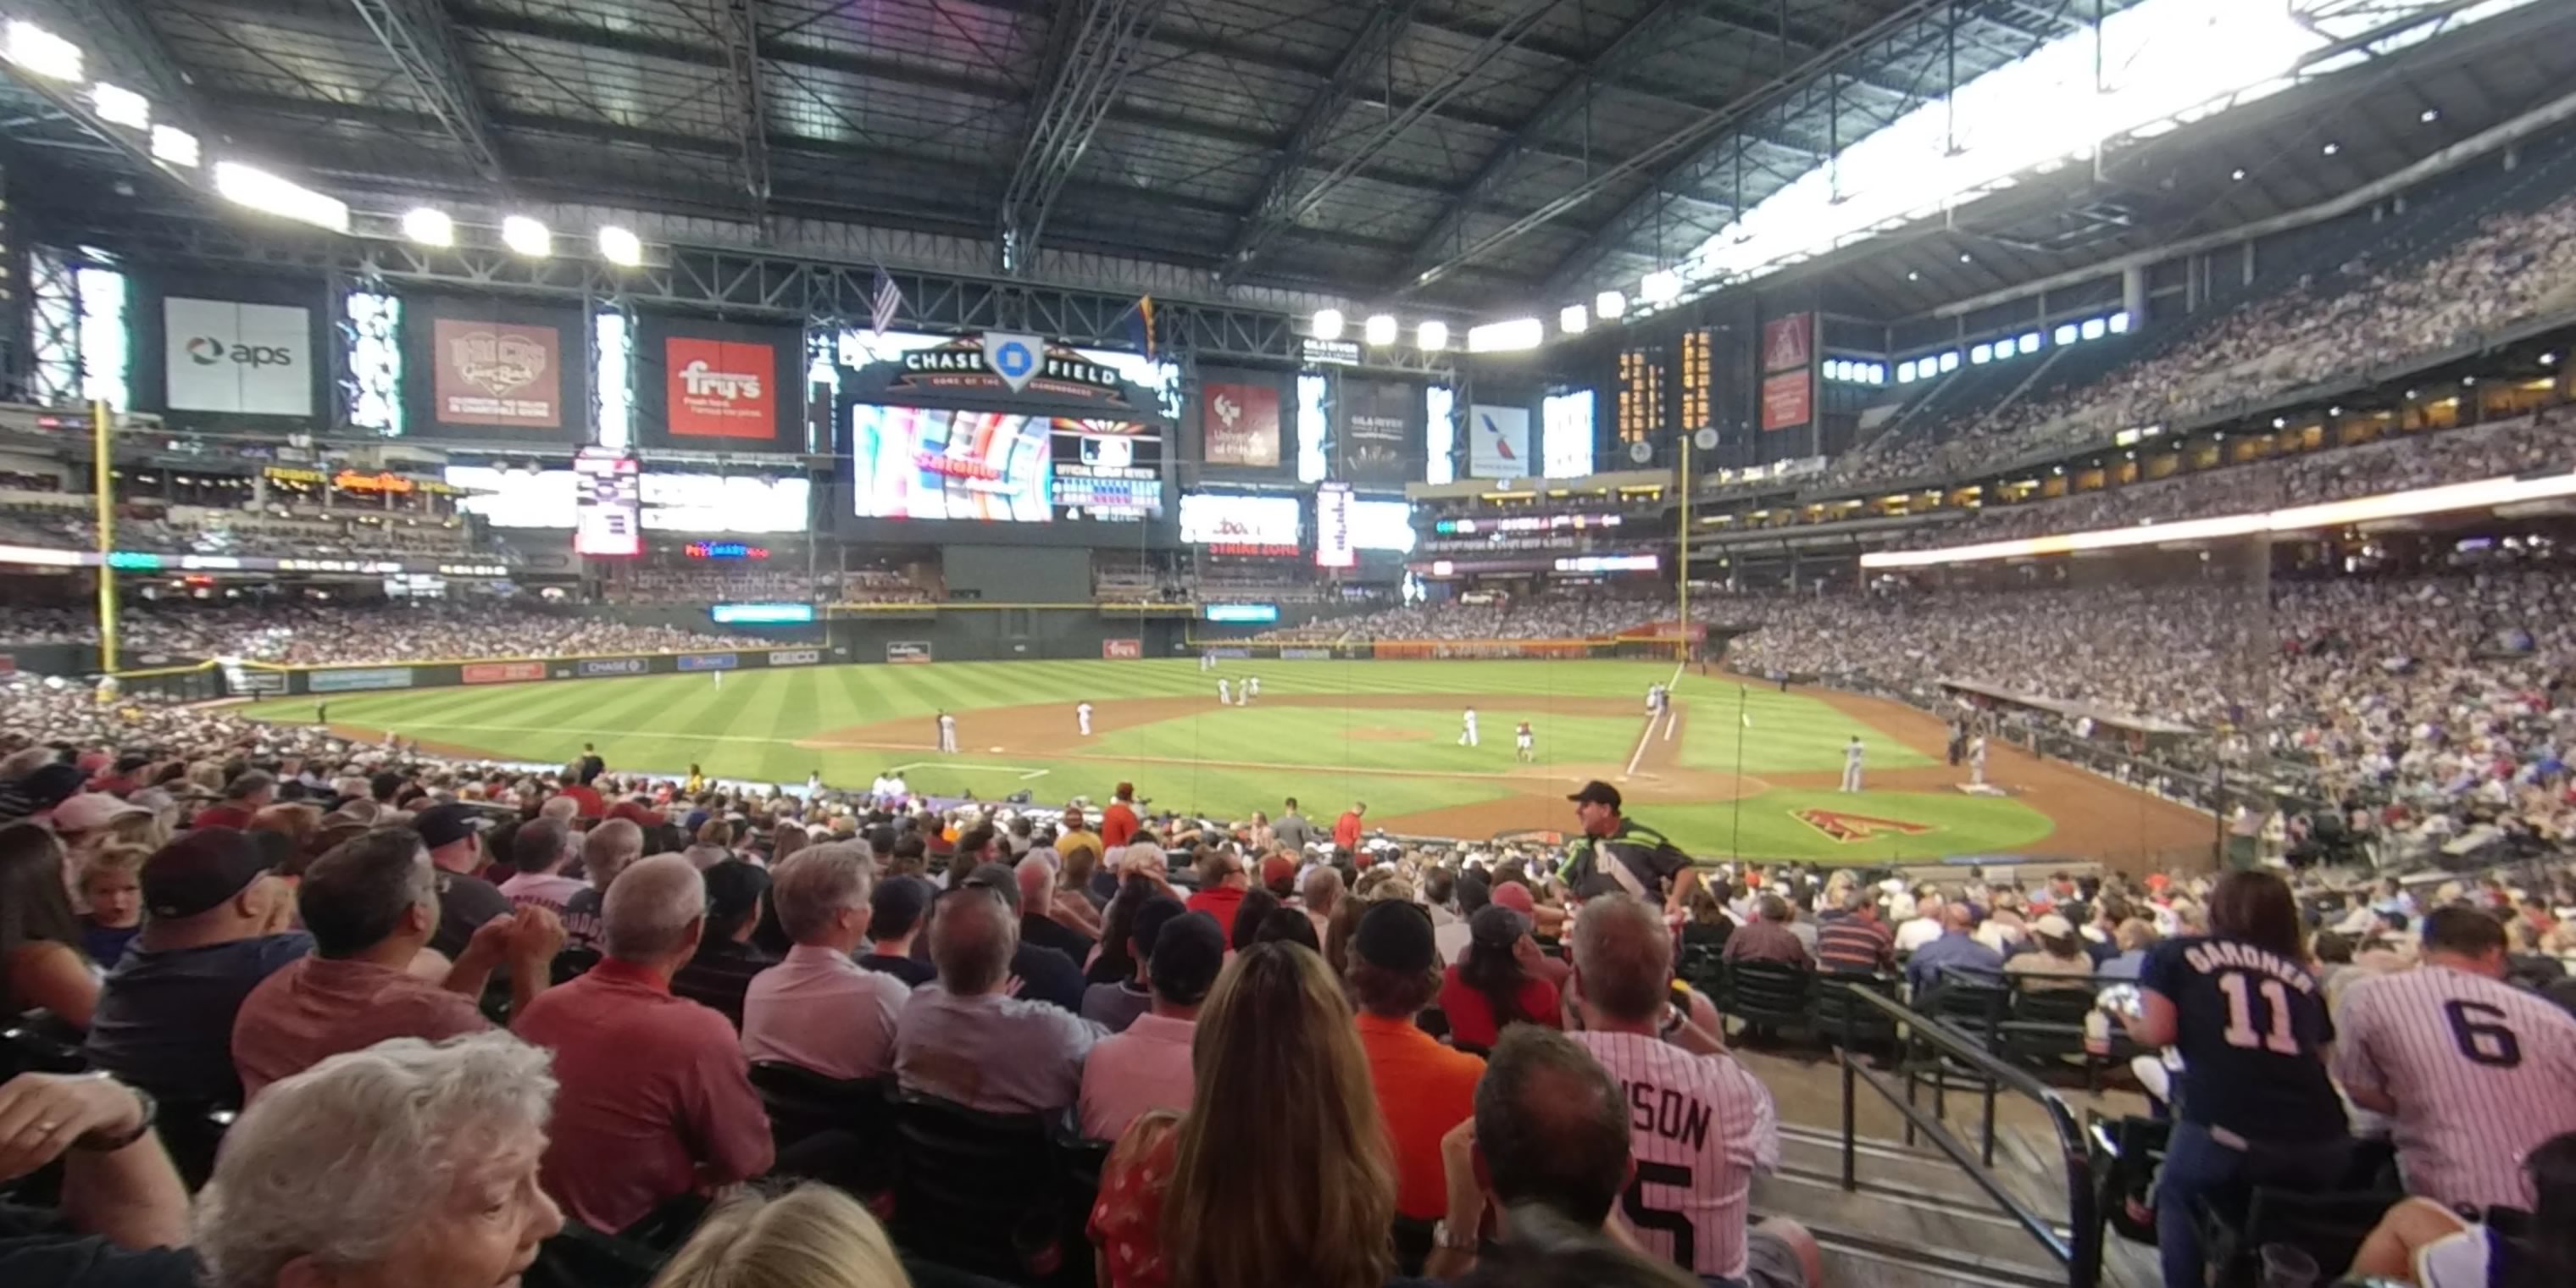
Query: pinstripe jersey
(2481, 1072)
(1701, 1128)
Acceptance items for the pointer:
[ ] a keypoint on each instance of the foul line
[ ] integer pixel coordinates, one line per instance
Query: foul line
(1668, 716)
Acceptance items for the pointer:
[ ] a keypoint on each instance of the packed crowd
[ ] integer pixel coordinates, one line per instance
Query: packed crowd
(1572, 615)
(463, 1007)
(884, 586)
(2524, 445)
(703, 585)
(2441, 698)
(306, 632)
(2361, 317)
(244, 532)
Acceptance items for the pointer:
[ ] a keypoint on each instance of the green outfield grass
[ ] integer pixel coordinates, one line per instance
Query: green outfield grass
(1316, 737)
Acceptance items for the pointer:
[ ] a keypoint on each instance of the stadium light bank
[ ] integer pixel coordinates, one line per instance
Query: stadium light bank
(2483, 494)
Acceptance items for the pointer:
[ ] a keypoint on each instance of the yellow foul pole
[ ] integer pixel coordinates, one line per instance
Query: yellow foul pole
(102, 481)
(1685, 547)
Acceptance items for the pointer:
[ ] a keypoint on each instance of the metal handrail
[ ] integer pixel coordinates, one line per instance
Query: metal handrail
(2079, 1250)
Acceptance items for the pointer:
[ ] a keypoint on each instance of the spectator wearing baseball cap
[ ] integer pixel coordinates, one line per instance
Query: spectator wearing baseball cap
(214, 926)
(1496, 983)
(1279, 876)
(2060, 961)
(454, 835)
(250, 791)
(90, 811)
(1423, 1088)
(1147, 1067)
(35, 795)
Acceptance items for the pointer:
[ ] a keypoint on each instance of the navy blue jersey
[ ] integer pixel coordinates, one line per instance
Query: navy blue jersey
(2251, 1028)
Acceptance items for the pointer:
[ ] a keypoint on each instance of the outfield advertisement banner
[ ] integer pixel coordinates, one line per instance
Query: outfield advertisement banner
(591, 666)
(795, 656)
(500, 672)
(1430, 649)
(241, 679)
(1305, 655)
(1122, 648)
(1230, 654)
(709, 661)
(908, 651)
(372, 677)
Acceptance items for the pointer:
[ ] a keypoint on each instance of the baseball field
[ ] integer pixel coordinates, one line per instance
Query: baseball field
(1733, 769)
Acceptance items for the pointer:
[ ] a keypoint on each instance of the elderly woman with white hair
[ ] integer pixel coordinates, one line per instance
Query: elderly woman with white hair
(404, 1164)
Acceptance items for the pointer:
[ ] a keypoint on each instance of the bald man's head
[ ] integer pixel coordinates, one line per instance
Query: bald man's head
(1959, 917)
(655, 910)
(972, 936)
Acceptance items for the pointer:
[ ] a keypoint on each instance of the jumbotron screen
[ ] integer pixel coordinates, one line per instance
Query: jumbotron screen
(926, 463)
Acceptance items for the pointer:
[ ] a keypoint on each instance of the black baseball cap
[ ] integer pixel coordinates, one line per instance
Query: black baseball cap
(1395, 934)
(1597, 792)
(444, 825)
(200, 870)
(1189, 950)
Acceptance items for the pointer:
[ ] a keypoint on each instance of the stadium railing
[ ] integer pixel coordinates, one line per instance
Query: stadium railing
(2077, 1244)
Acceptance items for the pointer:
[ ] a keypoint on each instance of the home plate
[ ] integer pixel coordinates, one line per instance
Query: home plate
(1982, 789)
(995, 750)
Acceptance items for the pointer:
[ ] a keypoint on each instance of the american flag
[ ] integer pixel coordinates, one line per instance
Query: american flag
(883, 301)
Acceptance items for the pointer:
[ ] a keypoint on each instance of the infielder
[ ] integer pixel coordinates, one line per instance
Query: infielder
(1251, 689)
(1851, 764)
(1207, 663)
(1467, 736)
(1521, 739)
(1977, 761)
(1082, 717)
(1225, 693)
(947, 732)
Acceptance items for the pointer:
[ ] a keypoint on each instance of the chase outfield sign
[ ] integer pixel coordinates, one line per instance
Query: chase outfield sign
(999, 361)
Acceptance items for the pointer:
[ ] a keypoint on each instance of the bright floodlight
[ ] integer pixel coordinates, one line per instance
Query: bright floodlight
(620, 246)
(1981, 354)
(1506, 337)
(428, 227)
(1431, 337)
(258, 189)
(1662, 286)
(118, 105)
(1328, 324)
(174, 146)
(40, 51)
(527, 236)
(1609, 305)
(1380, 329)
(1573, 319)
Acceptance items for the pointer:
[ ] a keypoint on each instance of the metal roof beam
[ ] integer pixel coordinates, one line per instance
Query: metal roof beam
(1092, 53)
(1275, 206)
(741, 20)
(416, 33)
(139, 44)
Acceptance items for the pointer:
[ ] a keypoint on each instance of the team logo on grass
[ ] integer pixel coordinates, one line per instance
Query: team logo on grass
(1855, 827)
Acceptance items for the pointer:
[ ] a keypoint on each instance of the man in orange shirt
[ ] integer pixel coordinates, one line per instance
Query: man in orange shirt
(1118, 822)
(1346, 829)
(1423, 1088)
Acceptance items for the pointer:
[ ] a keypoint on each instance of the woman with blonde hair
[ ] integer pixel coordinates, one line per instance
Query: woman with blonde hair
(1178, 1204)
(813, 1236)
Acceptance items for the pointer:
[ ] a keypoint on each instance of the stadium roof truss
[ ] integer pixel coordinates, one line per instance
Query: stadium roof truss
(1463, 154)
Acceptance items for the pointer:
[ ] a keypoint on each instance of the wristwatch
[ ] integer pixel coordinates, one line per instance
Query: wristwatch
(1442, 1236)
(96, 1143)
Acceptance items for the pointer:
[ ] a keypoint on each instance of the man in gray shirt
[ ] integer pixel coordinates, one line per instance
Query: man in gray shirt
(965, 1038)
(1293, 831)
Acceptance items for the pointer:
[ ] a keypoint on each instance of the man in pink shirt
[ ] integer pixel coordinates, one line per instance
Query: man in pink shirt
(540, 851)
(656, 1098)
(1147, 1066)
(820, 1009)
(372, 904)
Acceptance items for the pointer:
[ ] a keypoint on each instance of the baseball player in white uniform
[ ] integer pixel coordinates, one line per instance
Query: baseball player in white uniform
(1251, 689)
(1225, 693)
(1082, 717)
(1851, 764)
(1977, 761)
(1467, 735)
(1207, 663)
(1521, 739)
(947, 732)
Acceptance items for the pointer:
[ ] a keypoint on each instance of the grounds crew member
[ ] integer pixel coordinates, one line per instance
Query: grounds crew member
(1617, 854)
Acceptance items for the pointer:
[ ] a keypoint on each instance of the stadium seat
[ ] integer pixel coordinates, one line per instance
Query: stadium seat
(2126, 1153)
(2045, 1027)
(2329, 1227)
(1770, 996)
(1973, 1002)
(832, 1129)
(1837, 1014)
(977, 1191)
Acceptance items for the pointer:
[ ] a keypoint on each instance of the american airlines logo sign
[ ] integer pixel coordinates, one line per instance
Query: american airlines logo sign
(722, 389)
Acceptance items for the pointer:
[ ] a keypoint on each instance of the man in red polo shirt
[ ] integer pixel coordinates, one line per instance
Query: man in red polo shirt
(1222, 885)
(1346, 829)
(656, 1098)
(245, 796)
(1118, 822)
